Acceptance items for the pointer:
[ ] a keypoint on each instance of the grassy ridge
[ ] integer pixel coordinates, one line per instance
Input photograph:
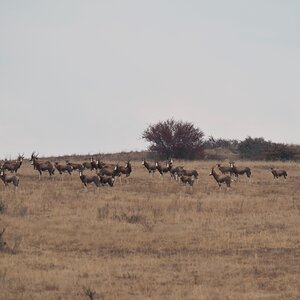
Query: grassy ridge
(153, 238)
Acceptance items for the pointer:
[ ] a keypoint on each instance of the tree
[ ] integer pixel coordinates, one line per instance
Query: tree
(175, 139)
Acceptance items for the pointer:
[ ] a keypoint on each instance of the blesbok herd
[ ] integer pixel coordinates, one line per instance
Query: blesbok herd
(106, 174)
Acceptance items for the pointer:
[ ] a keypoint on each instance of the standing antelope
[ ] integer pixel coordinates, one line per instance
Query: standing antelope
(240, 171)
(75, 166)
(151, 168)
(63, 168)
(9, 179)
(112, 171)
(187, 179)
(107, 180)
(278, 173)
(174, 171)
(13, 166)
(92, 165)
(220, 178)
(124, 170)
(224, 169)
(41, 166)
(162, 170)
(89, 179)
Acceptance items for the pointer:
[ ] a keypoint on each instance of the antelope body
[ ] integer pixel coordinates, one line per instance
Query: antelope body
(106, 180)
(89, 179)
(9, 179)
(240, 171)
(225, 169)
(187, 180)
(162, 170)
(279, 173)
(63, 168)
(151, 168)
(42, 166)
(13, 166)
(75, 166)
(221, 178)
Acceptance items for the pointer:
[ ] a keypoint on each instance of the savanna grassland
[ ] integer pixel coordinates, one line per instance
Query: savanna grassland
(150, 238)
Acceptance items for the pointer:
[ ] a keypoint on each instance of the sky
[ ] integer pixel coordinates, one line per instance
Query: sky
(90, 76)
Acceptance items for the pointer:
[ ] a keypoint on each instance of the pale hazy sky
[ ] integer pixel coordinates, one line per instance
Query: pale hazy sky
(89, 76)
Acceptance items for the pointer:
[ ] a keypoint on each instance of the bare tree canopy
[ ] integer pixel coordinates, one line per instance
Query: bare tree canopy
(176, 139)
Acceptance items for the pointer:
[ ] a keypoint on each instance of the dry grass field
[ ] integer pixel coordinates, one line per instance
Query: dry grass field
(150, 238)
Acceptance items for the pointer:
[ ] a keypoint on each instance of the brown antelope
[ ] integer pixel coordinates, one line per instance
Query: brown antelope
(124, 170)
(41, 166)
(9, 179)
(75, 166)
(107, 180)
(187, 180)
(63, 168)
(225, 170)
(151, 168)
(13, 166)
(111, 171)
(162, 170)
(240, 171)
(221, 178)
(174, 171)
(89, 179)
(92, 165)
(278, 173)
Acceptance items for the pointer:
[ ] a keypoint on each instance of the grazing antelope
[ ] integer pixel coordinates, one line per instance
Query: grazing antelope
(240, 171)
(13, 166)
(9, 179)
(89, 179)
(63, 168)
(221, 178)
(162, 170)
(75, 166)
(278, 173)
(106, 180)
(187, 180)
(224, 169)
(189, 173)
(151, 168)
(41, 166)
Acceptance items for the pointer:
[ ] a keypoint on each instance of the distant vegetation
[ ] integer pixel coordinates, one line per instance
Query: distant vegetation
(184, 140)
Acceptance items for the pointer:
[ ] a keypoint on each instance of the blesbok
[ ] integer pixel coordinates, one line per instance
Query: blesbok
(13, 166)
(189, 173)
(107, 180)
(162, 170)
(221, 178)
(225, 169)
(174, 171)
(92, 165)
(41, 166)
(278, 173)
(63, 168)
(75, 166)
(187, 180)
(89, 179)
(112, 171)
(150, 168)
(126, 170)
(240, 171)
(9, 179)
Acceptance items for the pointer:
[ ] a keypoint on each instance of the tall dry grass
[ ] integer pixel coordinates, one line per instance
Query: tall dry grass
(150, 238)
